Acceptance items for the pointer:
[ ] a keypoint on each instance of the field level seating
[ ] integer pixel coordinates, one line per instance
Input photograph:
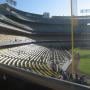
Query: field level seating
(35, 58)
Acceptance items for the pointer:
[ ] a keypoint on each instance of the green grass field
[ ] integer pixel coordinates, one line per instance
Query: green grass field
(84, 66)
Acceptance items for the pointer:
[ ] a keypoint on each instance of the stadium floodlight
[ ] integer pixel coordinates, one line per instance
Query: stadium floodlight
(12, 2)
(73, 25)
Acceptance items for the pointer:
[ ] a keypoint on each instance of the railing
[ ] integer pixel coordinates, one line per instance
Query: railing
(49, 82)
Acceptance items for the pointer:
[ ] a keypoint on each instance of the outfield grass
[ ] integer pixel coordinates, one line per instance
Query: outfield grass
(84, 61)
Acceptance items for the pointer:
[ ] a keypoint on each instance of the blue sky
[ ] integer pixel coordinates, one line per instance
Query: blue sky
(54, 7)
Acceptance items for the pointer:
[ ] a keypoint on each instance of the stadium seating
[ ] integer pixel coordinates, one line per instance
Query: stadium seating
(14, 23)
(35, 58)
(45, 57)
(12, 39)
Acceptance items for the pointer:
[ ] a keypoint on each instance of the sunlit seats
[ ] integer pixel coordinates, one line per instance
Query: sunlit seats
(35, 58)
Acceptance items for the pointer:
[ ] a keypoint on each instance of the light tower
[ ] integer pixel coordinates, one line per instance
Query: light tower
(11, 2)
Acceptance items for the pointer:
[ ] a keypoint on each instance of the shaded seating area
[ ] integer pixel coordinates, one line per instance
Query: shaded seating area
(12, 39)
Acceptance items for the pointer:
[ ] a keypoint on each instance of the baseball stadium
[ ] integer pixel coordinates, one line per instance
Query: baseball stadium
(36, 51)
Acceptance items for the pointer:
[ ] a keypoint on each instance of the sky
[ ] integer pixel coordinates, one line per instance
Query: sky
(54, 7)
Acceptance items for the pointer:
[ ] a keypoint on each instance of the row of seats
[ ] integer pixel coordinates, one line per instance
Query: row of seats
(11, 39)
(35, 58)
(14, 23)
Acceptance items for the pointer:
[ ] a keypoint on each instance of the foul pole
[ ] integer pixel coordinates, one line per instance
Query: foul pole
(73, 14)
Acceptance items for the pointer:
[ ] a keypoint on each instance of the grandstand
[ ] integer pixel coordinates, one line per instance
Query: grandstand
(35, 58)
(35, 25)
(34, 49)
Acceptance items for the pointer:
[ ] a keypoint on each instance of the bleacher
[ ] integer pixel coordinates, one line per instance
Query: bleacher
(35, 58)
